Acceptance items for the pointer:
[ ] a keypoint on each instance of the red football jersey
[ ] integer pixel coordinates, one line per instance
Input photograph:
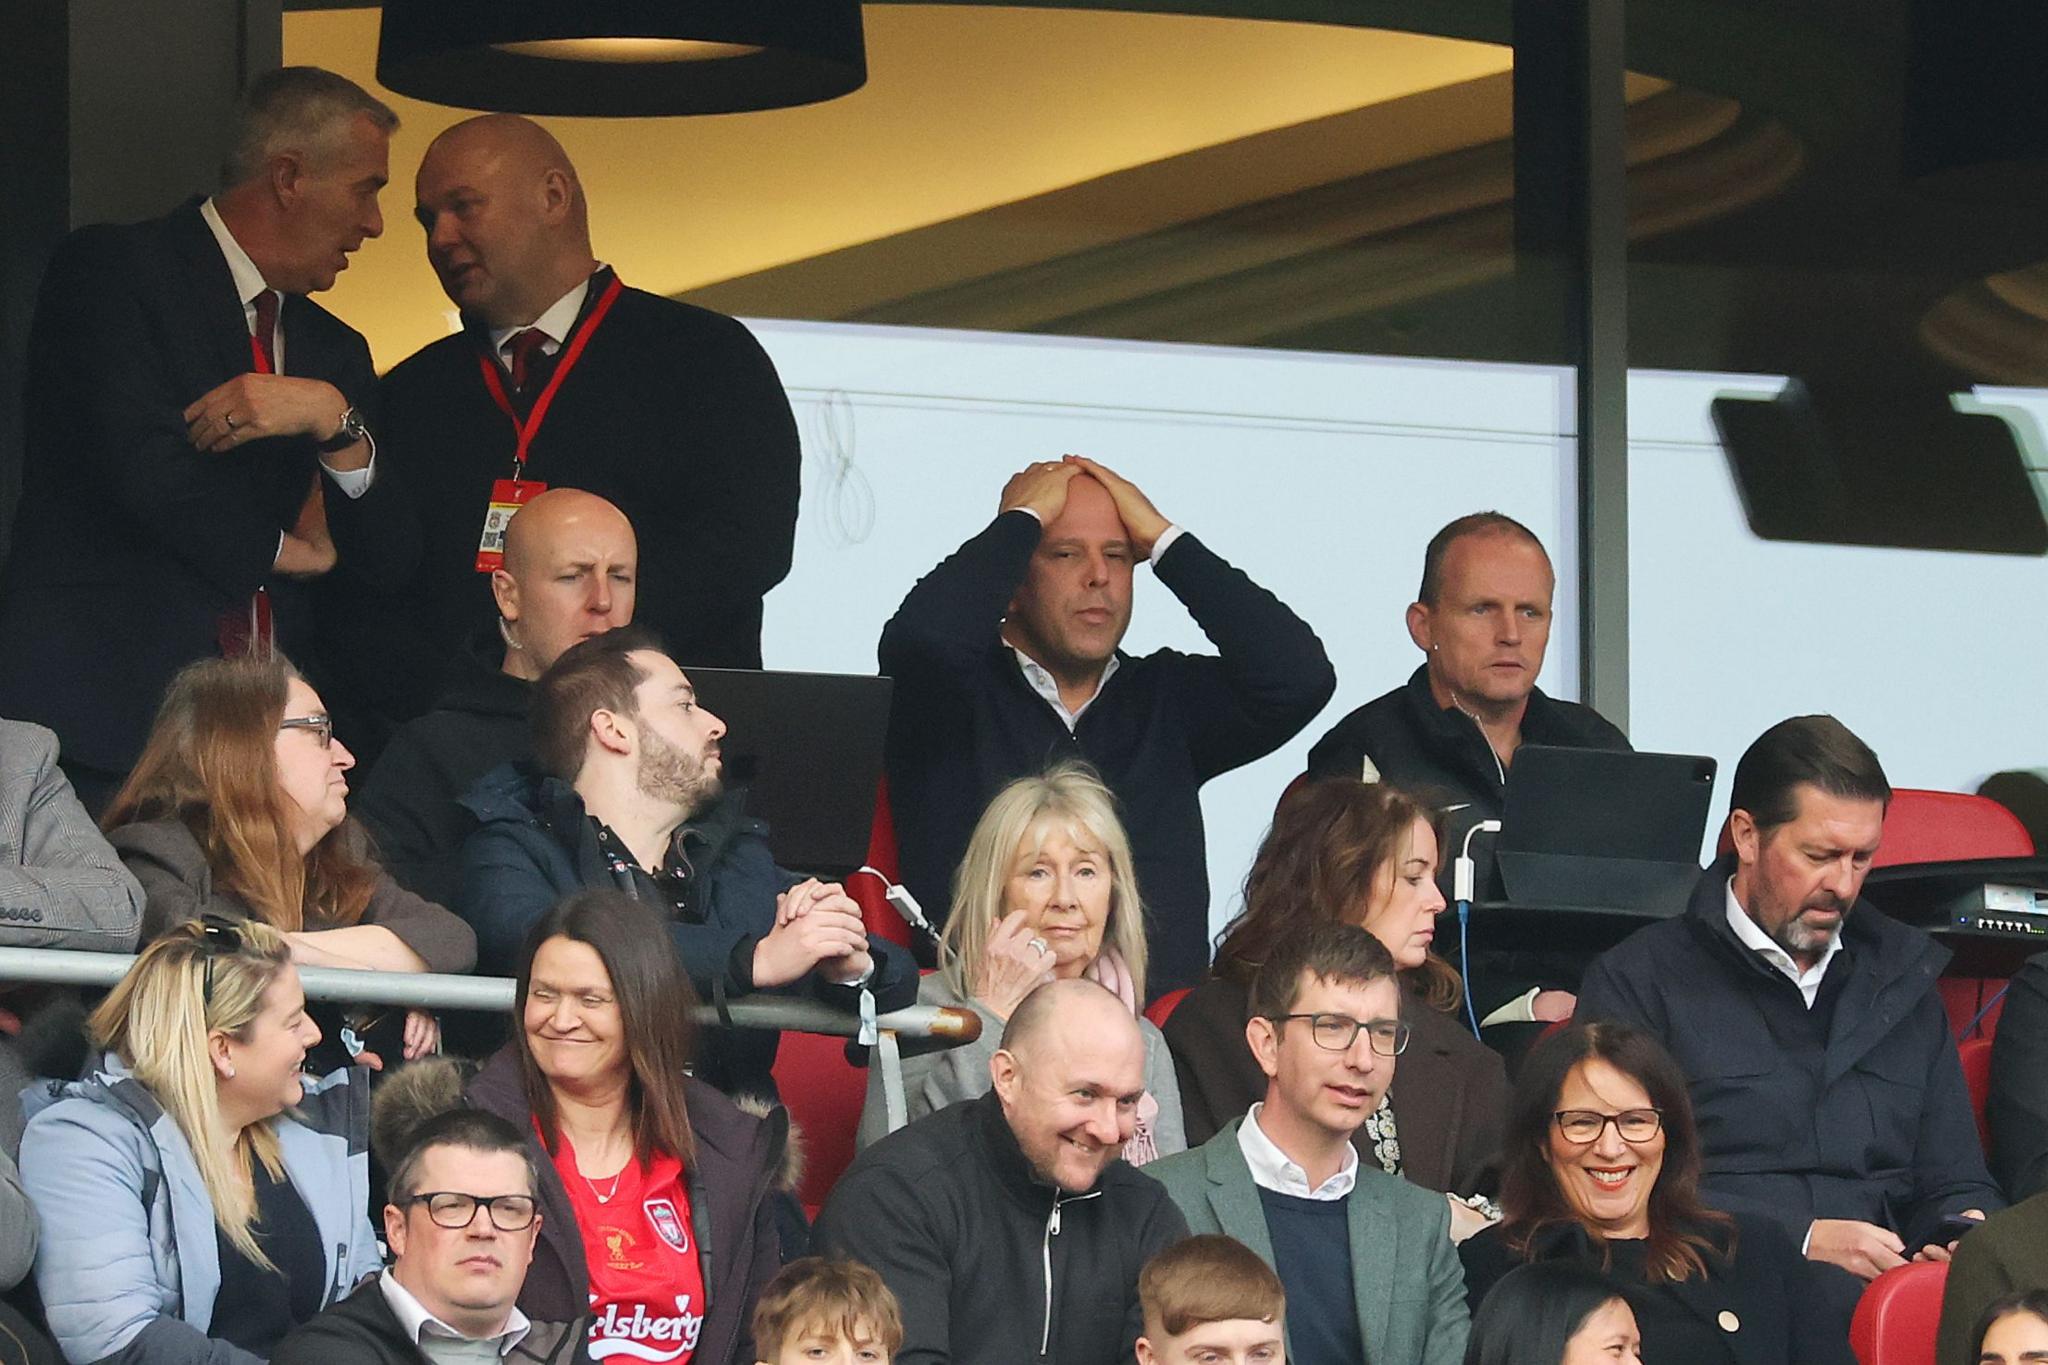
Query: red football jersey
(646, 1282)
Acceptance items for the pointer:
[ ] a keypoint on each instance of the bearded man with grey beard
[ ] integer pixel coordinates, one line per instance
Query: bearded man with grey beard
(625, 793)
(1823, 1077)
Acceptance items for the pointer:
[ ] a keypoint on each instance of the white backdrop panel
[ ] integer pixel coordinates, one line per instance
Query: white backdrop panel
(1933, 658)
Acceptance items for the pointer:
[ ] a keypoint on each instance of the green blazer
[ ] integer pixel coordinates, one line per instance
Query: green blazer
(1406, 1278)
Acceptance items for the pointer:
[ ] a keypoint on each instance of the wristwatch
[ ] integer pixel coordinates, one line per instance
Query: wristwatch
(351, 430)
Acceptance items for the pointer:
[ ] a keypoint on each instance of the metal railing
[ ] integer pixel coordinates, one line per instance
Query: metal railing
(945, 1026)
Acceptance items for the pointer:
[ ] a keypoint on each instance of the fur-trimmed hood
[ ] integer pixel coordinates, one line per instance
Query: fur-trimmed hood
(433, 1085)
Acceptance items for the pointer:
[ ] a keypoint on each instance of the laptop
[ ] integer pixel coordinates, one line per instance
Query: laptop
(1603, 830)
(808, 748)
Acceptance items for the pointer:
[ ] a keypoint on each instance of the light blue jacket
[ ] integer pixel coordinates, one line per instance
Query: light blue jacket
(129, 1266)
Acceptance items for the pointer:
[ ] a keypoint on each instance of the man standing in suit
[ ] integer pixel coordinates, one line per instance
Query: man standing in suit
(197, 446)
(1366, 1258)
(563, 376)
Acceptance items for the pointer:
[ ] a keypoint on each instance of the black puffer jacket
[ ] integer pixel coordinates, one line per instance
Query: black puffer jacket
(1439, 753)
(411, 801)
(950, 1214)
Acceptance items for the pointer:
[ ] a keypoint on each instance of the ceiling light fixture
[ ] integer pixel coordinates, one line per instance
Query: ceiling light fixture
(622, 58)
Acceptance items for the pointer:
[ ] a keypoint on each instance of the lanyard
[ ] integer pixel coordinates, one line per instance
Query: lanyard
(571, 353)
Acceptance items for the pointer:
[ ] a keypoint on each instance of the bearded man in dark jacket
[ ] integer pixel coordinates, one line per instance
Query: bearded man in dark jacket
(1824, 1081)
(625, 793)
(1009, 1226)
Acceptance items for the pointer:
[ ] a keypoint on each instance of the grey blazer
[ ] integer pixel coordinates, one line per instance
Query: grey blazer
(1407, 1282)
(61, 885)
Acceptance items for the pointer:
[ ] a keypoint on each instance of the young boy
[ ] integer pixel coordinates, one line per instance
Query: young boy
(826, 1312)
(1211, 1299)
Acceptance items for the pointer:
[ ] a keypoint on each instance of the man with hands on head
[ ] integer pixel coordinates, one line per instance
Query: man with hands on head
(1006, 659)
(625, 792)
(197, 434)
(1827, 1089)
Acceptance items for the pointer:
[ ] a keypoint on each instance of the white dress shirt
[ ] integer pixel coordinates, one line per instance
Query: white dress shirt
(553, 325)
(1043, 683)
(1760, 943)
(1272, 1169)
(249, 285)
(426, 1331)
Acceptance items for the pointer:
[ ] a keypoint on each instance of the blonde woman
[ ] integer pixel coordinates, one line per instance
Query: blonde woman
(199, 1197)
(238, 806)
(1045, 891)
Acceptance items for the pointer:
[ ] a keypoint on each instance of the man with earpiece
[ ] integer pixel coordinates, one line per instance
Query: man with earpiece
(1449, 734)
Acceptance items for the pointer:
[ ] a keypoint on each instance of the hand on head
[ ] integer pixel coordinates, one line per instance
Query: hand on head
(1042, 488)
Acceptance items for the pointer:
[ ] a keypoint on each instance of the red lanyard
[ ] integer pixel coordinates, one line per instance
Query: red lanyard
(571, 353)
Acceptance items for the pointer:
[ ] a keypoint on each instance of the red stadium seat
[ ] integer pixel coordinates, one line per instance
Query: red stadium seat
(1897, 1316)
(1941, 827)
(1160, 1010)
(1975, 1055)
(1973, 1004)
(871, 892)
(824, 1094)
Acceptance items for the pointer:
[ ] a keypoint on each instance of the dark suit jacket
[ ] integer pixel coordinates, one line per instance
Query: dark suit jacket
(129, 543)
(1407, 1284)
(1763, 1300)
(1449, 1096)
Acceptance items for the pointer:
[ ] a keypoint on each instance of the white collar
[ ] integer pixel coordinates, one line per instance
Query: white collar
(555, 322)
(419, 1324)
(1272, 1169)
(249, 281)
(1045, 685)
(1757, 941)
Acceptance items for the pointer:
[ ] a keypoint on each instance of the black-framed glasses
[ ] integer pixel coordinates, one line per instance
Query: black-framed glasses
(1582, 1127)
(217, 935)
(1337, 1032)
(320, 723)
(454, 1210)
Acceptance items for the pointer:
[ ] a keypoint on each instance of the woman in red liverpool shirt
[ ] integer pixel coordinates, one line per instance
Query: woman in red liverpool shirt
(656, 1217)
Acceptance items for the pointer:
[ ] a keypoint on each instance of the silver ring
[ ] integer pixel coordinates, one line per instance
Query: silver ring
(230, 420)
(1040, 946)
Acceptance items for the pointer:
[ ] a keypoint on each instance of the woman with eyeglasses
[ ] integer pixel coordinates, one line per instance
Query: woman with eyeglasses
(238, 806)
(199, 1196)
(1365, 854)
(1045, 890)
(657, 1193)
(1603, 1170)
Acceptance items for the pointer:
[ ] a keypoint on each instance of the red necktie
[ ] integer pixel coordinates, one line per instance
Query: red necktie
(525, 348)
(266, 331)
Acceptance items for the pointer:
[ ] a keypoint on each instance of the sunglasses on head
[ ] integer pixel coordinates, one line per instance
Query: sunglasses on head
(218, 935)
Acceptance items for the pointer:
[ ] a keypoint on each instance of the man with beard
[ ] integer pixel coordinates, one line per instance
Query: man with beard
(1824, 1080)
(624, 793)
(1008, 1226)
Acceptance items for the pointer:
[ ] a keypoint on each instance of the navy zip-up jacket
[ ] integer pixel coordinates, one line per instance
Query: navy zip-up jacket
(964, 722)
(536, 844)
(1873, 1124)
